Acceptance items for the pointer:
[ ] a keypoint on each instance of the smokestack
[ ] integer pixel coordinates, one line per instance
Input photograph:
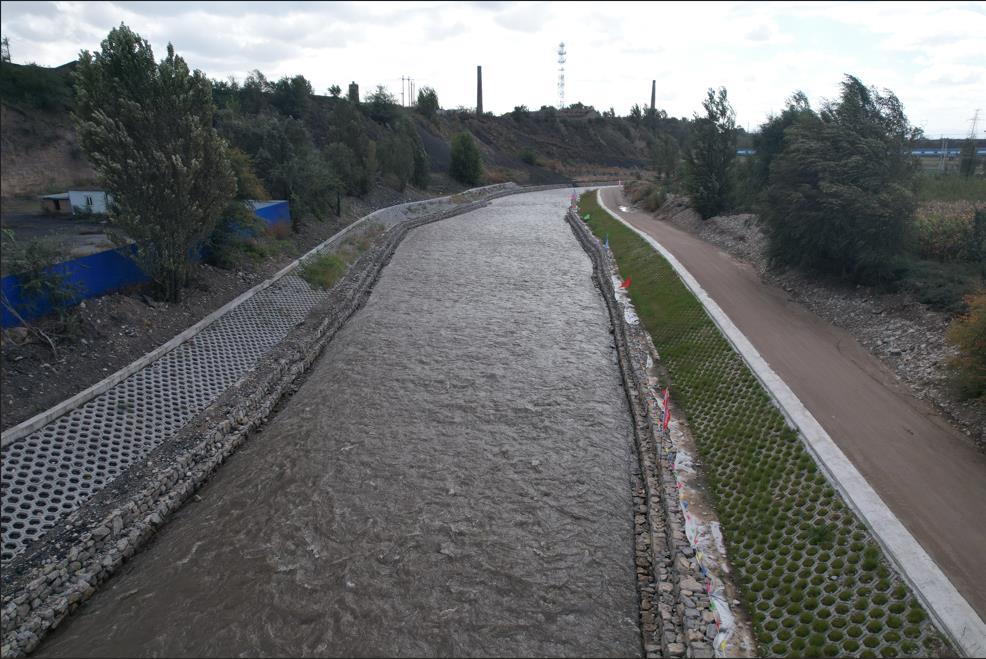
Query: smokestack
(353, 92)
(653, 93)
(479, 91)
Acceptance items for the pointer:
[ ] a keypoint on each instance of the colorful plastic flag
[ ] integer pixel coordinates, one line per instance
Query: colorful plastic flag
(667, 410)
(606, 244)
(625, 284)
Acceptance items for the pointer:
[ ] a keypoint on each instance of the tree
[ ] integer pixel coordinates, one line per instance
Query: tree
(466, 165)
(147, 128)
(428, 102)
(292, 96)
(381, 105)
(769, 141)
(335, 90)
(520, 112)
(840, 191)
(254, 92)
(636, 114)
(664, 155)
(711, 152)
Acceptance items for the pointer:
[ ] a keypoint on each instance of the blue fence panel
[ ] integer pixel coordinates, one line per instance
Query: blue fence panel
(105, 272)
(273, 212)
(88, 276)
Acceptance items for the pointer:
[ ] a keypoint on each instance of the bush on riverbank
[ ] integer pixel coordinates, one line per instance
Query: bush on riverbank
(968, 333)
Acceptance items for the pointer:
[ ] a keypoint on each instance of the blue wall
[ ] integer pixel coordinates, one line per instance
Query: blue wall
(90, 276)
(105, 272)
(273, 212)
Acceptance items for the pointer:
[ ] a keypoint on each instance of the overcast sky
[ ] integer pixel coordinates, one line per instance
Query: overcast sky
(932, 55)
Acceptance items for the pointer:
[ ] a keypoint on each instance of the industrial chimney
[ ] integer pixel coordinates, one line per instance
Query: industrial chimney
(479, 91)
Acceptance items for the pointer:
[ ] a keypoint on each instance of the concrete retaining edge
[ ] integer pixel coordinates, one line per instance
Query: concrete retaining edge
(950, 611)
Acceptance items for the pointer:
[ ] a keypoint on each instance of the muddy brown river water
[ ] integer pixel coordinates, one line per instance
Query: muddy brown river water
(453, 478)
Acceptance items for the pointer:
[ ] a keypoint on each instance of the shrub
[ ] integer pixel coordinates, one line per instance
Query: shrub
(428, 102)
(529, 157)
(323, 270)
(40, 283)
(968, 334)
(465, 166)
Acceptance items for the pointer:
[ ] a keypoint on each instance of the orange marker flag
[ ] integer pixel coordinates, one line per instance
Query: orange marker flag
(625, 284)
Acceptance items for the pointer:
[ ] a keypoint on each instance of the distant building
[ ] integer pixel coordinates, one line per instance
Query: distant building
(76, 202)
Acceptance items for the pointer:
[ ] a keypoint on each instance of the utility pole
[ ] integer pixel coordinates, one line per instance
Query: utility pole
(402, 91)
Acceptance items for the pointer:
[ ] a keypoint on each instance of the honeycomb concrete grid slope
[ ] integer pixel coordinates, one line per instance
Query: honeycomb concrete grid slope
(950, 611)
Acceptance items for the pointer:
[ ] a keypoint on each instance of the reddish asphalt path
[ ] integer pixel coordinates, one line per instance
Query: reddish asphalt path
(926, 472)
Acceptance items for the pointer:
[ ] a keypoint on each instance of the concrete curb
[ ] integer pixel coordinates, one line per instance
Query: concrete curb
(950, 611)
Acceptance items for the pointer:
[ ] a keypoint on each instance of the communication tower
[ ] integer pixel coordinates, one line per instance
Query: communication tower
(561, 75)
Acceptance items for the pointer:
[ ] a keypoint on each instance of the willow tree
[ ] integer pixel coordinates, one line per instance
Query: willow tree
(147, 128)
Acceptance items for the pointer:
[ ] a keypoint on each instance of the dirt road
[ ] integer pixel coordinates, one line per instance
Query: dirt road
(923, 469)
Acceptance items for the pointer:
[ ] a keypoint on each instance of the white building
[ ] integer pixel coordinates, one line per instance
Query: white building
(76, 202)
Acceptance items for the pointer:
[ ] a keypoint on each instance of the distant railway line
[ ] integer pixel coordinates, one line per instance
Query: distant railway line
(924, 153)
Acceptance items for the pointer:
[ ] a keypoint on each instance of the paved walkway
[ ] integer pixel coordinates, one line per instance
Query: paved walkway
(925, 471)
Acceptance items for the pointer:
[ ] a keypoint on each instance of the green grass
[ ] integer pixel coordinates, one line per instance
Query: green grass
(324, 270)
(951, 187)
(773, 503)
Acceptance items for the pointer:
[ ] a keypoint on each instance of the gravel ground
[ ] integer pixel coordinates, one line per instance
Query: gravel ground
(904, 334)
(114, 330)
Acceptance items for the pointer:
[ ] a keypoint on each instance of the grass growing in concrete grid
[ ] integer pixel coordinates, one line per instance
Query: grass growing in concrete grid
(813, 580)
(324, 270)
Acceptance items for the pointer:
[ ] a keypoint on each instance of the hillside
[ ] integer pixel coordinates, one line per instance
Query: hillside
(41, 152)
(39, 148)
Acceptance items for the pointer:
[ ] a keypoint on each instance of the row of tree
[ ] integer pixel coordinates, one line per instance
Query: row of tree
(181, 154)
(835, 187)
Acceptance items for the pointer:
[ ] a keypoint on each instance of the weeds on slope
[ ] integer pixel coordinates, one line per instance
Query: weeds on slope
(324, 270)
(814, 581)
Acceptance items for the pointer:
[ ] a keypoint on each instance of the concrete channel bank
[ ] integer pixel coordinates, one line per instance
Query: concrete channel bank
(78, 551)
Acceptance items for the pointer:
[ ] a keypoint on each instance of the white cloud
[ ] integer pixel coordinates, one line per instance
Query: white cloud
(930, 54)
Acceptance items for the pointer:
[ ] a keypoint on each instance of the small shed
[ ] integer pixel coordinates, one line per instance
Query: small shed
(86, 202)
(56, 204)
(76, 202)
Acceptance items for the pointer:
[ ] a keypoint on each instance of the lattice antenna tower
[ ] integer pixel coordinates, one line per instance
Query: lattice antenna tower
(561, 75)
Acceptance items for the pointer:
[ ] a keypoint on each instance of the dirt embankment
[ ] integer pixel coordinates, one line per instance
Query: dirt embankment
(114, 330)
(904, 334)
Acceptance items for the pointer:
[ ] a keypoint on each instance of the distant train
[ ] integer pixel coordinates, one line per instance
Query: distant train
(926, 153)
